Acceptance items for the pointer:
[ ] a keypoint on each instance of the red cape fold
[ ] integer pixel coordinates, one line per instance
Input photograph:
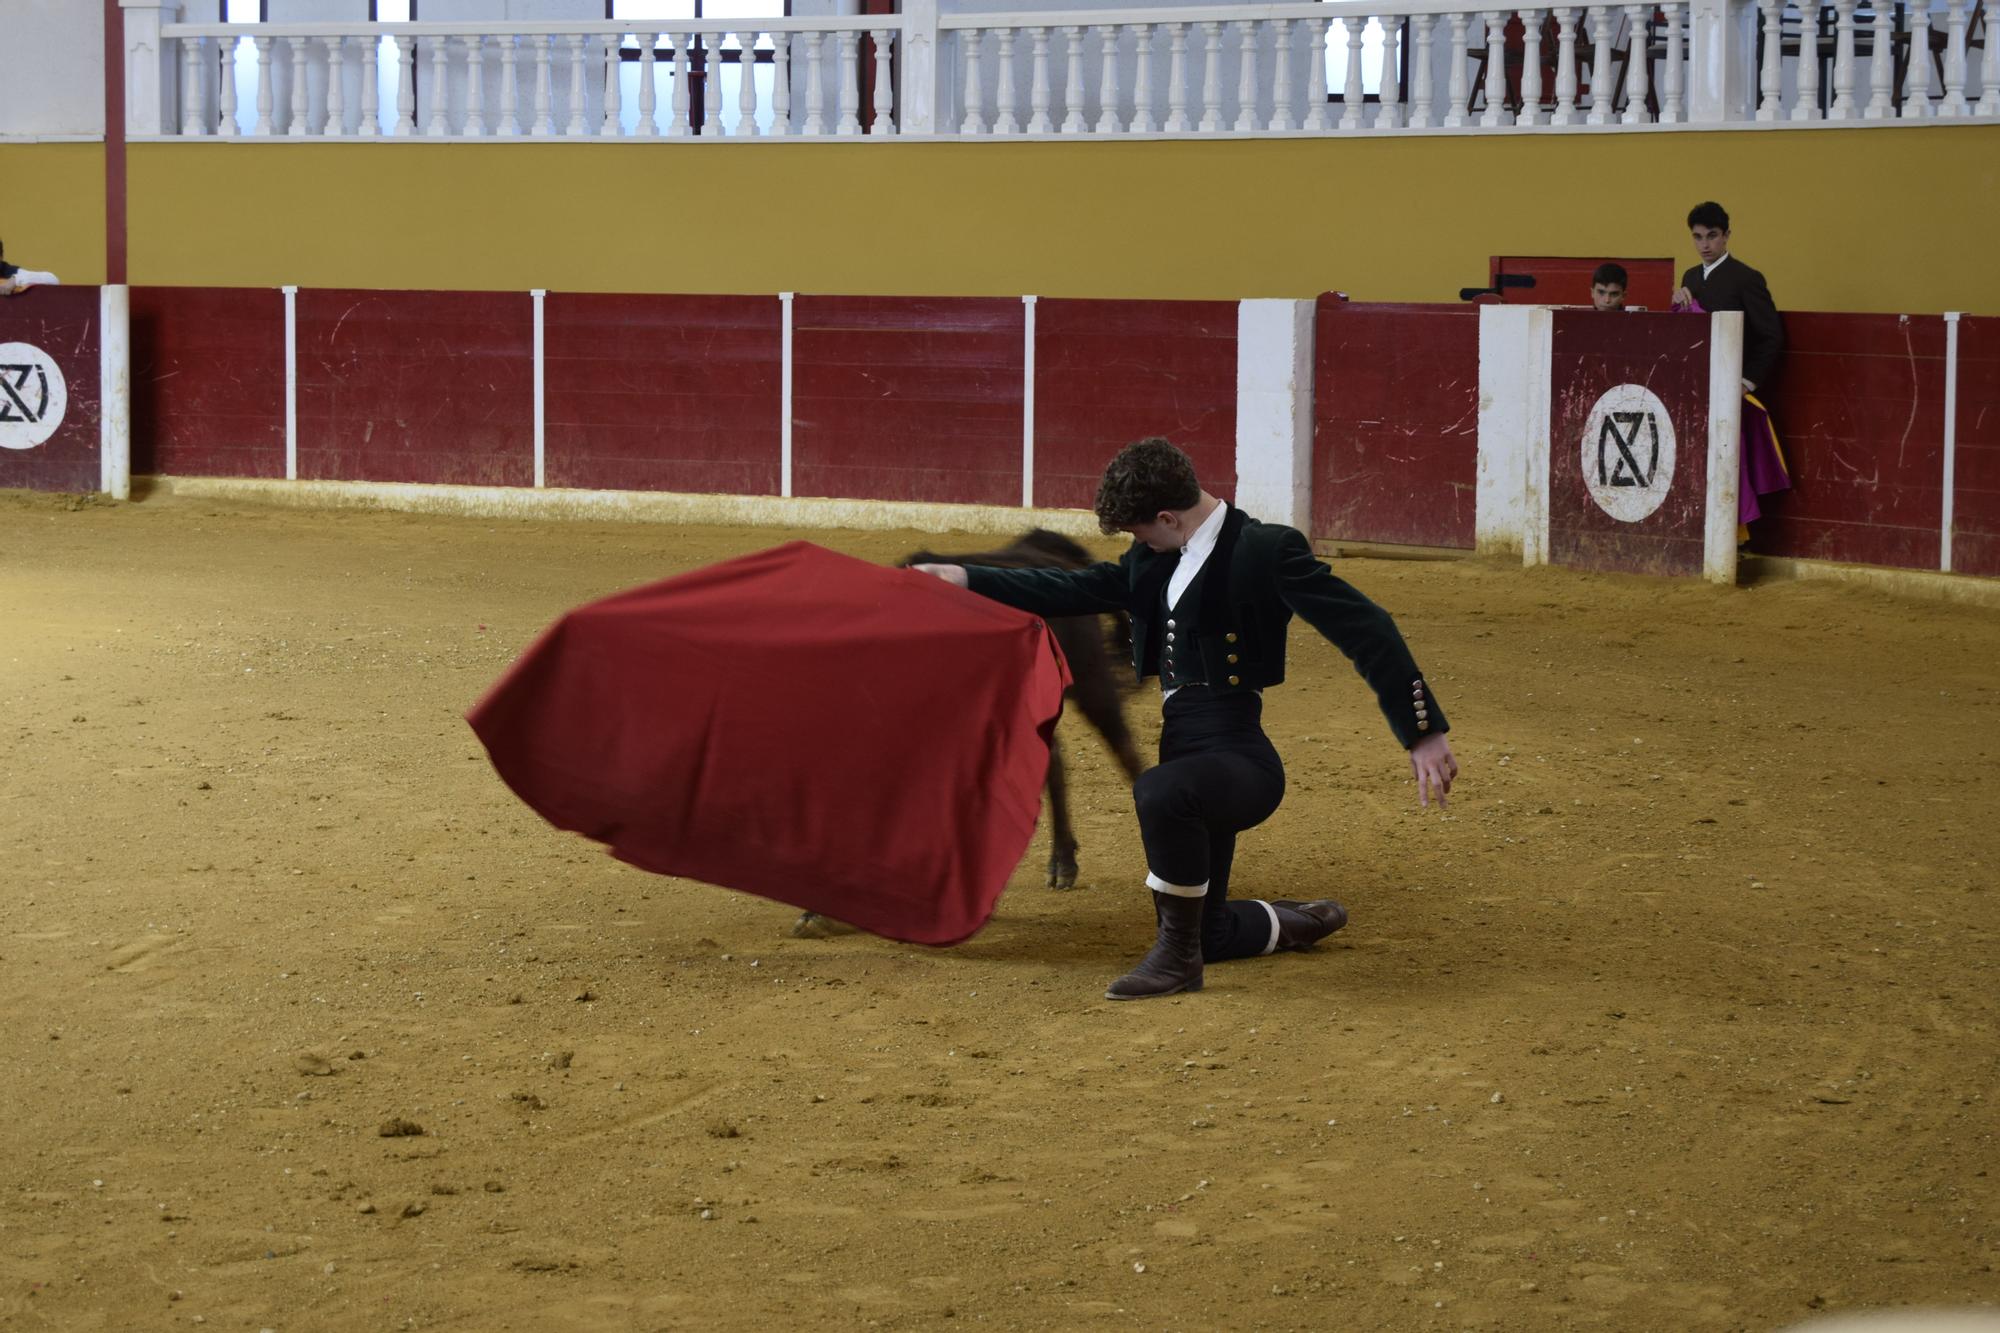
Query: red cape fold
(851, 739)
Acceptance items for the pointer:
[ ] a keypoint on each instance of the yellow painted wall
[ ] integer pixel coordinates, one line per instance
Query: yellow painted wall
(1886, 218)
(52, 208)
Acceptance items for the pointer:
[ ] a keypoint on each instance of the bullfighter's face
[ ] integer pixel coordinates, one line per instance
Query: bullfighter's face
(1166, 531)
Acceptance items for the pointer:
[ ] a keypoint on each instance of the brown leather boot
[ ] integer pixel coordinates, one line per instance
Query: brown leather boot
(1174, 963)
(1302, 925)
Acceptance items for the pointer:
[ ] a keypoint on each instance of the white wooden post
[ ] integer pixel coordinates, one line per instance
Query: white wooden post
(785, 374)
(1947, 516)
(1028, 403)
(150, 68)
(1725, 444)
(1509, 509)
(291, 295)
(114, 379)
(538, 298)
(1274, 410)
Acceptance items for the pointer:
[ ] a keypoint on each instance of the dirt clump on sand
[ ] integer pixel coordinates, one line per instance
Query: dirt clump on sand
(1683, 1017)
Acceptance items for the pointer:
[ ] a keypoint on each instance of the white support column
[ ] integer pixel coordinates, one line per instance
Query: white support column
(539, 296)
(114, 379)
(1725, 444)
(1947, 516)
(291, 383)
(150, 73)
(785, 386)
(1722, 61)
(1028, 404)
(920, 81)
(1274, 410)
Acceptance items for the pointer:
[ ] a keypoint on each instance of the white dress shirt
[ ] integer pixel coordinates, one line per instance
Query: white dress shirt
(1707, 269)
(1193, 556)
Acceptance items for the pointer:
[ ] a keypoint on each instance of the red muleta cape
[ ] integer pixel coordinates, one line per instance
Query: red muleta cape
(851, 739)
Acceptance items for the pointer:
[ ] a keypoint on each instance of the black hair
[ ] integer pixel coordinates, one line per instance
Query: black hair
(1710, 214)
(1146, 478)
(1610, 275)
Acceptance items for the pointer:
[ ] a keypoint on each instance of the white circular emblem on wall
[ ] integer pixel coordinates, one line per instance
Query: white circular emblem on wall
(33, 396)
(1628, 452)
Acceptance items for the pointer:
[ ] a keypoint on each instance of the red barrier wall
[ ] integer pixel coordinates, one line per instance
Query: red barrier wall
(1975, 540)
(663, 393)
(1590, 353)
(1859, 411)
(1110, 372)
(908, 399)
(1396, 423)
(208, 381)
(416, 386)
(55, 328)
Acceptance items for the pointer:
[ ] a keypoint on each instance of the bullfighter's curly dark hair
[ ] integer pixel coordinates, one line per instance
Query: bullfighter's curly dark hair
(1146, 477)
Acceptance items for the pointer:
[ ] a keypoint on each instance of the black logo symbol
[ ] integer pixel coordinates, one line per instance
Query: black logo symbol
(1621, 430)
(15, 393)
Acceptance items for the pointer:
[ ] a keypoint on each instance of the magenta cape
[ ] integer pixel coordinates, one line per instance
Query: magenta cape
(855, 740)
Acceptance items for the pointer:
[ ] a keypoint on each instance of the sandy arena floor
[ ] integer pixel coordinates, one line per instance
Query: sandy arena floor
(1684, 1017)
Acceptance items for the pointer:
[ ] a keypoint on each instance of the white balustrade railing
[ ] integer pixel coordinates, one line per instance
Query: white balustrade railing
(1351, 66)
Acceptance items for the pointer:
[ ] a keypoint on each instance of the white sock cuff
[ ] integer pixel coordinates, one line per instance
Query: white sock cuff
(1271, 912)
(1158, 885)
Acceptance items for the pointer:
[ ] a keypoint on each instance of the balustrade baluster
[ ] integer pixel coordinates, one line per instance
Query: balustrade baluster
(1246, 77)
(475, 85)
(1843, 61)
(746, 85)
(545, 107)
(1281, 83)
(301, 91)
(1639, 61)
(440, 124)
(1807, 106)
(1917, 84)
(1073, 122)
(1673, 104)
(1881, 63)
(1602, 94)
(193, 120)
(681, 98)
(225, 90)
(1771, 75)
(1565, 112)
(850, 83)
(1316, 91)
(1495, 113)
(1353, 94)
(815, 123)
(1954, 103)
(371, 97)
(1455, 87)
(611, 124)
(336, 91)
(264, 96)
(711, 86)
(1177, 118)
(1143, 120)
(781, 83)
(1039, 121)
(578, 85)
(972, 45)
(1211, 78)
(1423, 114)
(1389, 101)
(1107, 80)
(649, 93)
(1531, 68)
(884, 123)
(1006, 122)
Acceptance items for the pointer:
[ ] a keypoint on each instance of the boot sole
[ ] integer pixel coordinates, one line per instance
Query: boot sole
(1184, 989)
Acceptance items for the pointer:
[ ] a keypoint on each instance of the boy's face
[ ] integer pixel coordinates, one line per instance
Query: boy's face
(1607, 296)
(1711, 243)
(1163, 532)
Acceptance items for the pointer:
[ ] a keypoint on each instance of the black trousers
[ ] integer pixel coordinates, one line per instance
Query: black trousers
(1218, 775)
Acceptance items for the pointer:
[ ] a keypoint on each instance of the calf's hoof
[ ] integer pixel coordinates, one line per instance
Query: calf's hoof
(1062, 871)
(813, 926)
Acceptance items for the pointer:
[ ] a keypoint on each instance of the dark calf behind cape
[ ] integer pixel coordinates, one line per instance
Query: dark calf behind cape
(865, 742)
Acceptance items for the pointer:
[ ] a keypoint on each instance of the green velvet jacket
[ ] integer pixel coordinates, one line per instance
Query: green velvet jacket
(1255, 580)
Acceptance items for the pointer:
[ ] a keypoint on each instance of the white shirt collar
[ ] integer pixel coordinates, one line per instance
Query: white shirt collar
(1195, 554)
(1707, 269)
